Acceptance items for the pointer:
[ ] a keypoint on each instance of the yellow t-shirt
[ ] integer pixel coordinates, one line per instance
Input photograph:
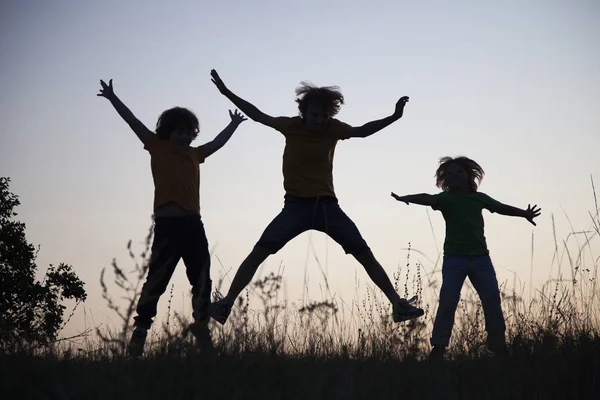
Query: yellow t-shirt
(308, 157)
(176, 173)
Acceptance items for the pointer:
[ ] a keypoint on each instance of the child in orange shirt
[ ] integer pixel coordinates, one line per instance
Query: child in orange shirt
(178, 228)
(310, 200)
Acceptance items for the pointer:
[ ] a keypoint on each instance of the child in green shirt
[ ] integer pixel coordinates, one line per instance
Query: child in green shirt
(465, 248)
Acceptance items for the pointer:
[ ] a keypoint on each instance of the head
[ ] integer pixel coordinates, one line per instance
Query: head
(178, 125)
(317, 105)
(459, 173)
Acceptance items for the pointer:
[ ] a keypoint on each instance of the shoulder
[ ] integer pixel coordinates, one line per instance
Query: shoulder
(283, 124)
(153, 142)
(488, 202)
(482, 196)
(336, 123)
(440, 200)
(198, 153)
(443, 195)
(339, 129)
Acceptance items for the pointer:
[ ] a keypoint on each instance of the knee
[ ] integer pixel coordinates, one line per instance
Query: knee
(449, 298)
(490, 298)
(358, 248)
(264, 251)
(362, 255)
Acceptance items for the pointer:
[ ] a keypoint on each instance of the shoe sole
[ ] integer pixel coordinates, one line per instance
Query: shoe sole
(408, 317)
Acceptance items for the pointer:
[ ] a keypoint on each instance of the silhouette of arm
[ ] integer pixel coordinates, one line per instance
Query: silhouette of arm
(529, 214)
(246, 107)
(219, 141)
(372, 127)
(423, 199)
(135, 124)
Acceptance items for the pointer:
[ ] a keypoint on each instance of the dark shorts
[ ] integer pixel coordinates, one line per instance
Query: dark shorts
(319, 213)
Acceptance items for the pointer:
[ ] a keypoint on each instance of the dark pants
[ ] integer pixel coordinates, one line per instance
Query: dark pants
(319, 213)
(176, 238)
(480, 271)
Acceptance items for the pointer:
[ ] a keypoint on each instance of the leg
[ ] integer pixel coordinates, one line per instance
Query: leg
(246, 271)
(197, 264)
(483, 278)
(335, 223)
(290, 222)
(164, 259)
(454, 273)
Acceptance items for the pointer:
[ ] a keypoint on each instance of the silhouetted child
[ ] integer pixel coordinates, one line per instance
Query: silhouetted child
(310, 201)
(178, 228)
(465, 248)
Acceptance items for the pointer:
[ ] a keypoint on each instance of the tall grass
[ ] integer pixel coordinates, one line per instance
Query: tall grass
(274, 348)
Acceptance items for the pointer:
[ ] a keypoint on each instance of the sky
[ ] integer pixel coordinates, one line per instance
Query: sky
(514, 85)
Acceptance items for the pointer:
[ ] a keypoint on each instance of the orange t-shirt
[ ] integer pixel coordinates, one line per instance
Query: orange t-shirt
(176, 173)
(308, 157)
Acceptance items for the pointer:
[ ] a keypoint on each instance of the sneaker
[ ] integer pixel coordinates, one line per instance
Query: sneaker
(136, 344)
(437, 353)
(403, 311)
(220, 309)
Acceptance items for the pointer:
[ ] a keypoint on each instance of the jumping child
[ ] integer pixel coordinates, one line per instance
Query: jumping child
(178, 228)
(310, 201)
(465, 248)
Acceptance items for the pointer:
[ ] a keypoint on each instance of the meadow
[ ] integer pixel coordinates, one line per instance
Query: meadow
(274, 348)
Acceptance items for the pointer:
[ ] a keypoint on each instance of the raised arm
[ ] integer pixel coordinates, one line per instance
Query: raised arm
(375, 126)
(529, 214)
(249, 109)
(222, 138)
(136, 125)
(423, 199)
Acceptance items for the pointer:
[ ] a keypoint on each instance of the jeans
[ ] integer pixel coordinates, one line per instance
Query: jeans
(481, 273)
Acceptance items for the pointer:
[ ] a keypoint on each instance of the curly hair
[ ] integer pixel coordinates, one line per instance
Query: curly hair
(176, 118)
(474, 172)
(329, 97)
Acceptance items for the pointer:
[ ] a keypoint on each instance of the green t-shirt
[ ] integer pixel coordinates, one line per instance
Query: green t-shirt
(464, 221)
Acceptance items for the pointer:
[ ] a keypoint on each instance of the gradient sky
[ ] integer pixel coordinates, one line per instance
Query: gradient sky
(514, 85)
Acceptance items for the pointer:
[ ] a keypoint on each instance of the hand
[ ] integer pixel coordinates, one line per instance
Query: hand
(237, 117)
(107, 90)
(400, 198)
(216, 79)
(531, 213)
(400, 105)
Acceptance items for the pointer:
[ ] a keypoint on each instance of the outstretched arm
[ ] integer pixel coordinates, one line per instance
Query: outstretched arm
(423, 199)
(528, 214)
(375, 126)
(136, 125)
(249, 109)
(222, 138)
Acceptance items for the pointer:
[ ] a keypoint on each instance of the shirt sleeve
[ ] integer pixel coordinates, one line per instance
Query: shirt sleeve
(341, 130)
(282, 124)
(439, 198)
(489, 203)
(152, 143)
(199, 154)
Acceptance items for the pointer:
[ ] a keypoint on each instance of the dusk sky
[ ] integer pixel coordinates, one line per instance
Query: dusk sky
(514, 85)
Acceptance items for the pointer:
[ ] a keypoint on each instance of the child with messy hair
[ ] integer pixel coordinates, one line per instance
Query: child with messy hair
(310, 201)
(178, 228)
(465, 248)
